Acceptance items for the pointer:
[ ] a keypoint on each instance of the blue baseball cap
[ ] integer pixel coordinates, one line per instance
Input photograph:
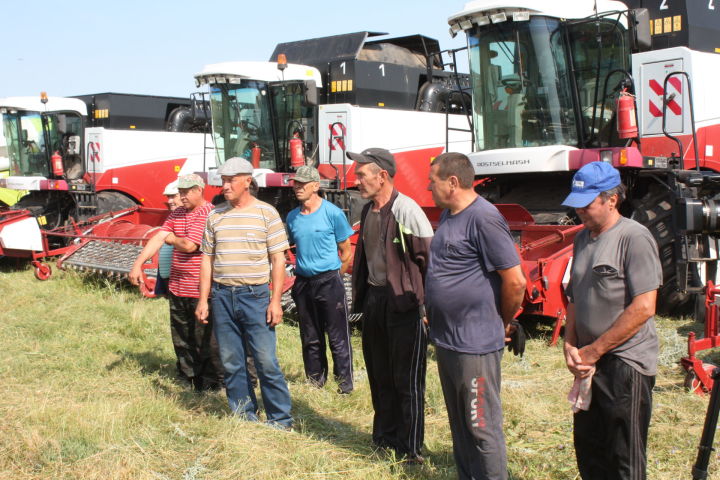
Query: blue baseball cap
(589, 182)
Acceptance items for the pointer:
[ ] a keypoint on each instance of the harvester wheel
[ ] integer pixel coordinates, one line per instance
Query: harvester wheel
(109, 201)
(654, 210)
(43, 271)
(691, 383)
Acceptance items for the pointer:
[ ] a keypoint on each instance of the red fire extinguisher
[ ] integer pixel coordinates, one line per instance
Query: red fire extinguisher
(255, 155)
(57, 164)
(297, 158)
(626, 124)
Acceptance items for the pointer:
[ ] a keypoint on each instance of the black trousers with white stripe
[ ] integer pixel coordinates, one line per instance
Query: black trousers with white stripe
(611, 437)
(395, 350)
(322, 309)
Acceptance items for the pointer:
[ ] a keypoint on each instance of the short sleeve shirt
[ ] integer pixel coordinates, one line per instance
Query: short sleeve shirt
(608, 271)
(316, 236)
(462, 287)
(185, 267)
(241, 241)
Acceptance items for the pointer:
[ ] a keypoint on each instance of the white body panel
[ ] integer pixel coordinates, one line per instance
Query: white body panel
(553, 158)
(21, 235)
(649, 71)
(124, 148)
(395, 130)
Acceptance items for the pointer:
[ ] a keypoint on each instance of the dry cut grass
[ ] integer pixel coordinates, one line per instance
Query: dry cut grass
(87, 391)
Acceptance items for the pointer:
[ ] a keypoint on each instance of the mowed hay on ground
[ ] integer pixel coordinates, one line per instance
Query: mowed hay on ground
(88, 391)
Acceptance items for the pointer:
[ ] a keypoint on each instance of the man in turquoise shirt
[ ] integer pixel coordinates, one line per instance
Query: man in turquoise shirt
(321, 234)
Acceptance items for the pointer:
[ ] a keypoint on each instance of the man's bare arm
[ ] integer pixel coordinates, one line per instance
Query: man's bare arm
(202, 310)
(512, 291)
(150, 249)
(277, 276)
(181, 244)
(345, 253)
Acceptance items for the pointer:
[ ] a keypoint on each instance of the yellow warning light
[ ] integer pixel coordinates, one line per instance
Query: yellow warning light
(623, 157)
(142, 200)
(42, 220)
(43, 97)
(176, 168)
(282, 61)
(132, 127)
(381, 104)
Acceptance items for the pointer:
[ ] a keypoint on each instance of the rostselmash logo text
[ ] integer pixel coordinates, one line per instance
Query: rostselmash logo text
(502, 163)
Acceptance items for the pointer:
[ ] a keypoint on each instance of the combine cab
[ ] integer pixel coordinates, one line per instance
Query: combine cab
(77, 158)
(556, 86)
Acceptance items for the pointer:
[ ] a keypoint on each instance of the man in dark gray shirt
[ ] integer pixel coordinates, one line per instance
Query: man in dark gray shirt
(610, 332)
(474, 286)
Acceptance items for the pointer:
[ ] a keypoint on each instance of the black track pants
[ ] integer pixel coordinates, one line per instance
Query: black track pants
(322, 309)
(611, 437)
(395, 349)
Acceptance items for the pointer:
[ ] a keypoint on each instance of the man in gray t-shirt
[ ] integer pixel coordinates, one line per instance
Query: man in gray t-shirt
(610, 333)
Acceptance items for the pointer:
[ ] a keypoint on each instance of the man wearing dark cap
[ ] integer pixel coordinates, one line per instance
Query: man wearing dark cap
(319, 229)
(610, 338)
(388, 276)
(243, 250)
(197, 354)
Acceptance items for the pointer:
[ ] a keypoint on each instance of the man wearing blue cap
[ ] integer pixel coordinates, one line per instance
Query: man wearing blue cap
(610, 337)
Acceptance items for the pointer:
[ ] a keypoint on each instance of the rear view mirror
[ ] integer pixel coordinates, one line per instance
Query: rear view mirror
(639, 28)
(311, 95)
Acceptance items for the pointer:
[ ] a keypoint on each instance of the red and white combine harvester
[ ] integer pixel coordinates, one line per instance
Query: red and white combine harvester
(345, 92)
(556, 85)
(80, 158)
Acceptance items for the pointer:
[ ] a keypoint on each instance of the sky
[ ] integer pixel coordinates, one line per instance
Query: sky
(156, 46)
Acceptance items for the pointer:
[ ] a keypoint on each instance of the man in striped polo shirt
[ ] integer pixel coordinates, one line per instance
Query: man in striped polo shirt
(195, 347)
(244, 248)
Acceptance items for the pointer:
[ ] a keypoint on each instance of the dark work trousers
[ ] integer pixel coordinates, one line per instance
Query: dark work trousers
(198, 358)
(322, 308)
(471, 387)
(395, 350)
(611, 437)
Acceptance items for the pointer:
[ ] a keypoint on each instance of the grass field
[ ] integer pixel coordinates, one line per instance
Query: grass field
(87, 391)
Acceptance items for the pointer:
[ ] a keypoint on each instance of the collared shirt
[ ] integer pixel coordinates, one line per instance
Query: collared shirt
(241, 241)
(185, 267)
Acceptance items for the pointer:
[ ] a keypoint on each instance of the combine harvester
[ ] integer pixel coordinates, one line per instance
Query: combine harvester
(558, 85)
(341, 92)
(81, 158)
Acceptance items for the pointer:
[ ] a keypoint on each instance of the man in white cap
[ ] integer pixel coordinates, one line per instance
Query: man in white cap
(610, 337)
(195, 347)
(243, 250)
(165, 255)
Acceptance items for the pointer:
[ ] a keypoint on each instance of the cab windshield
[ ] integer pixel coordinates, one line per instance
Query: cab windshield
(254, 116)
(32, 138)
(525, 93)
(241, 121)
(26, 144)
(521, 85)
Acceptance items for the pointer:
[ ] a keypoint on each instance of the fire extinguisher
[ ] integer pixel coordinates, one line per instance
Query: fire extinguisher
(255, 155)
(626, 124)
(297, 158)
(57, 164)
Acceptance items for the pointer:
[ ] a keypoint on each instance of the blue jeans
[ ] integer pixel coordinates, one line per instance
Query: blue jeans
(239, 314)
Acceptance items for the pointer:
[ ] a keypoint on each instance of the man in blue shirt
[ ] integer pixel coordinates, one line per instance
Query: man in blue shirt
(473, 288)
(319, 231)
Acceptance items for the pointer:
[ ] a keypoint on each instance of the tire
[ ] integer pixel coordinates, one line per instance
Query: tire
(654, 210)
(108, 201)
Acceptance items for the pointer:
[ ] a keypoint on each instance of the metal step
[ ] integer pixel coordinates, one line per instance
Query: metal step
(106, 257)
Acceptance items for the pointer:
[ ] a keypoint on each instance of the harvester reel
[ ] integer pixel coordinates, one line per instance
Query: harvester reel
(43, 271)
